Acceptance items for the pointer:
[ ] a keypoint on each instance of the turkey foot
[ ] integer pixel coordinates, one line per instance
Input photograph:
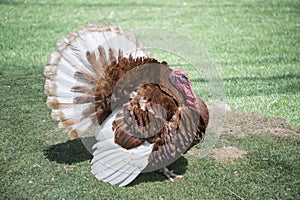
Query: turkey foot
(170, 174)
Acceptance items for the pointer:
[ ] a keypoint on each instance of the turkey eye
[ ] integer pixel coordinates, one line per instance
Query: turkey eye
(183, 78)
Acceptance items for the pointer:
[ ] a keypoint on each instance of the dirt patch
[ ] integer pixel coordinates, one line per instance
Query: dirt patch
(228, 154)
(243, 123)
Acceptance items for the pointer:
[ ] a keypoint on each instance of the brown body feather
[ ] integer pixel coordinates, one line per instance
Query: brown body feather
(174, 130)
(135, 125)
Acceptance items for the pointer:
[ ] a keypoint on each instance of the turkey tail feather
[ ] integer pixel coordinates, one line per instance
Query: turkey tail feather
(77, 67)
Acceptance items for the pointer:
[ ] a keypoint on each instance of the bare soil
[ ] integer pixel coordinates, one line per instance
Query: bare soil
(228, 154)
(242, 124)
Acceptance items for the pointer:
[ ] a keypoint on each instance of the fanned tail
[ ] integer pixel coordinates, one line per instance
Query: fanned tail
(76, 82)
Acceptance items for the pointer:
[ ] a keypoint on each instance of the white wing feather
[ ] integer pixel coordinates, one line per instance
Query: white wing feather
(114, 164)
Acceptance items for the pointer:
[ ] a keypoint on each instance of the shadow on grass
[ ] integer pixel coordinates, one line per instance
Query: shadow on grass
(72, 151)
(78, 150)
(179, 167)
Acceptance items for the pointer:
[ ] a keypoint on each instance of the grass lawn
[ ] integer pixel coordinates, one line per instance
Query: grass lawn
(254, 44)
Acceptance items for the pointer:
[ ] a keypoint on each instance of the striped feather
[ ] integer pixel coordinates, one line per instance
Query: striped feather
(74, 70)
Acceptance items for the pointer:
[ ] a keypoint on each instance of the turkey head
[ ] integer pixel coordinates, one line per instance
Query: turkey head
(181, 81)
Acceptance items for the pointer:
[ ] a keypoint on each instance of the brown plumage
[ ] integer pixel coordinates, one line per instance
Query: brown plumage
(147, 113)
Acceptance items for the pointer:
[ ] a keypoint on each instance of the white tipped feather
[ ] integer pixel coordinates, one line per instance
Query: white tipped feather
(56, 114)
(50, 71)
(83, 125)
(60, 100)
(66, 67)
(114, 164)
(69, 112)
(54, 58)
(71, 59)
(77, 59)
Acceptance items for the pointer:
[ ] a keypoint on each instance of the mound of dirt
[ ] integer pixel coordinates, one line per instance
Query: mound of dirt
(243, 123)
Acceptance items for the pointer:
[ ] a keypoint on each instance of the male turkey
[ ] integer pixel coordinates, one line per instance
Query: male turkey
(147, 114)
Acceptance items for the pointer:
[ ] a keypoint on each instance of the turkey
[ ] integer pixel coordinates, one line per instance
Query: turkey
(146, 113)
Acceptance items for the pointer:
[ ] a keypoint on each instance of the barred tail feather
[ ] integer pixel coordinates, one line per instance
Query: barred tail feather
(74, 70)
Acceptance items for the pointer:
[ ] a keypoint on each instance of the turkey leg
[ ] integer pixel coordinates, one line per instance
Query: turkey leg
(170, 174)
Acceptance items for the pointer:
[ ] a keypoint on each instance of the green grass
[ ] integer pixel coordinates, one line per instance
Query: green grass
(255, 44)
